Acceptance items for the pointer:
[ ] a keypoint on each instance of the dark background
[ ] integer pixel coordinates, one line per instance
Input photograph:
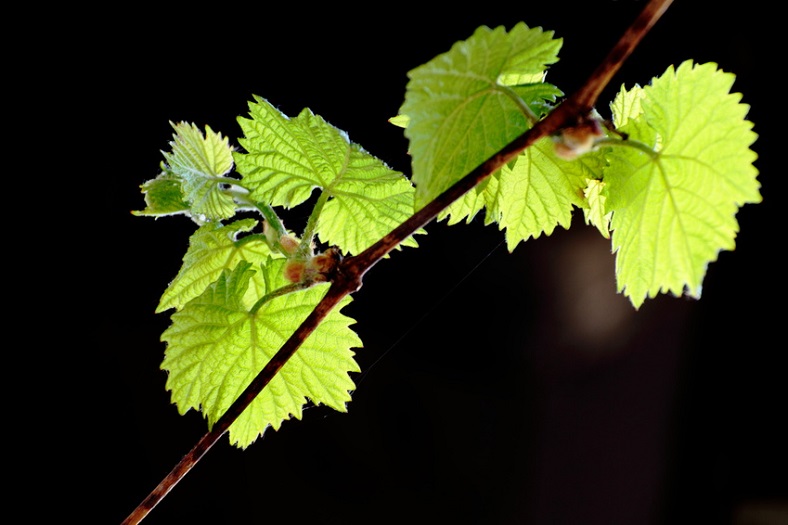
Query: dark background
(496, 388)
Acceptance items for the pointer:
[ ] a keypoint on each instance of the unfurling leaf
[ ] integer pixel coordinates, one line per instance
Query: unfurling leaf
(193, 180)
(163, 196)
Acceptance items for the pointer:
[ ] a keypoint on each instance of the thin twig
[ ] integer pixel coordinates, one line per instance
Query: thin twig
(351, 270)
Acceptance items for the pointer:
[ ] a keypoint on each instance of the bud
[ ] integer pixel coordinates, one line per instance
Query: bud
(294, 270)
(573, 141)
(325, 263)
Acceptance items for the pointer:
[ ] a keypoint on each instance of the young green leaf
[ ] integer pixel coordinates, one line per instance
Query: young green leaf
(367, 202)
(213, 248)
(286, 159)
(163, 196)
(532, 194)
(461, 108)
(675, 210)
(596, 213)
(218, 343)
(539, 191)
(483, 195)
(193, 180)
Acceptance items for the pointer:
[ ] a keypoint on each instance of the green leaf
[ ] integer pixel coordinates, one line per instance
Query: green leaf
(532, 194)
(213, 248)
(539, 95)
(286, 159)
(217, 344)
(367, 201)
(475, 200)
(596, 213)
(538, 192)
(674, 211)
(163, 196)
(460, 105)
(200, 162)
(627, 105)
(401, 121)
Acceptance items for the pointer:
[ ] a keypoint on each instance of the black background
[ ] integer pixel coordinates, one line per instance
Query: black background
(497, 388)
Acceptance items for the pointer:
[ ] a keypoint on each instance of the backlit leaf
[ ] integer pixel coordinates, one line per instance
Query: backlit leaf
(461, 109)
(201, 163)
(213, 248)
(217, 344)
(674, 212)
(362, 199)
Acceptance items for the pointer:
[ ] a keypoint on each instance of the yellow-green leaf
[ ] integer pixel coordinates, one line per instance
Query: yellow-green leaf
(674, 211)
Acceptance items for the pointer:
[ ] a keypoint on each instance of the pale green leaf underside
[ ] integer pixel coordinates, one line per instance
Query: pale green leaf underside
(287, 159)
(200, 162)
(673, 214)
(530, 196)
(459, 113)
(215, 347)
(538, 192)
(163, 196)
(596, 213)
(484, 195)
(213, 248)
